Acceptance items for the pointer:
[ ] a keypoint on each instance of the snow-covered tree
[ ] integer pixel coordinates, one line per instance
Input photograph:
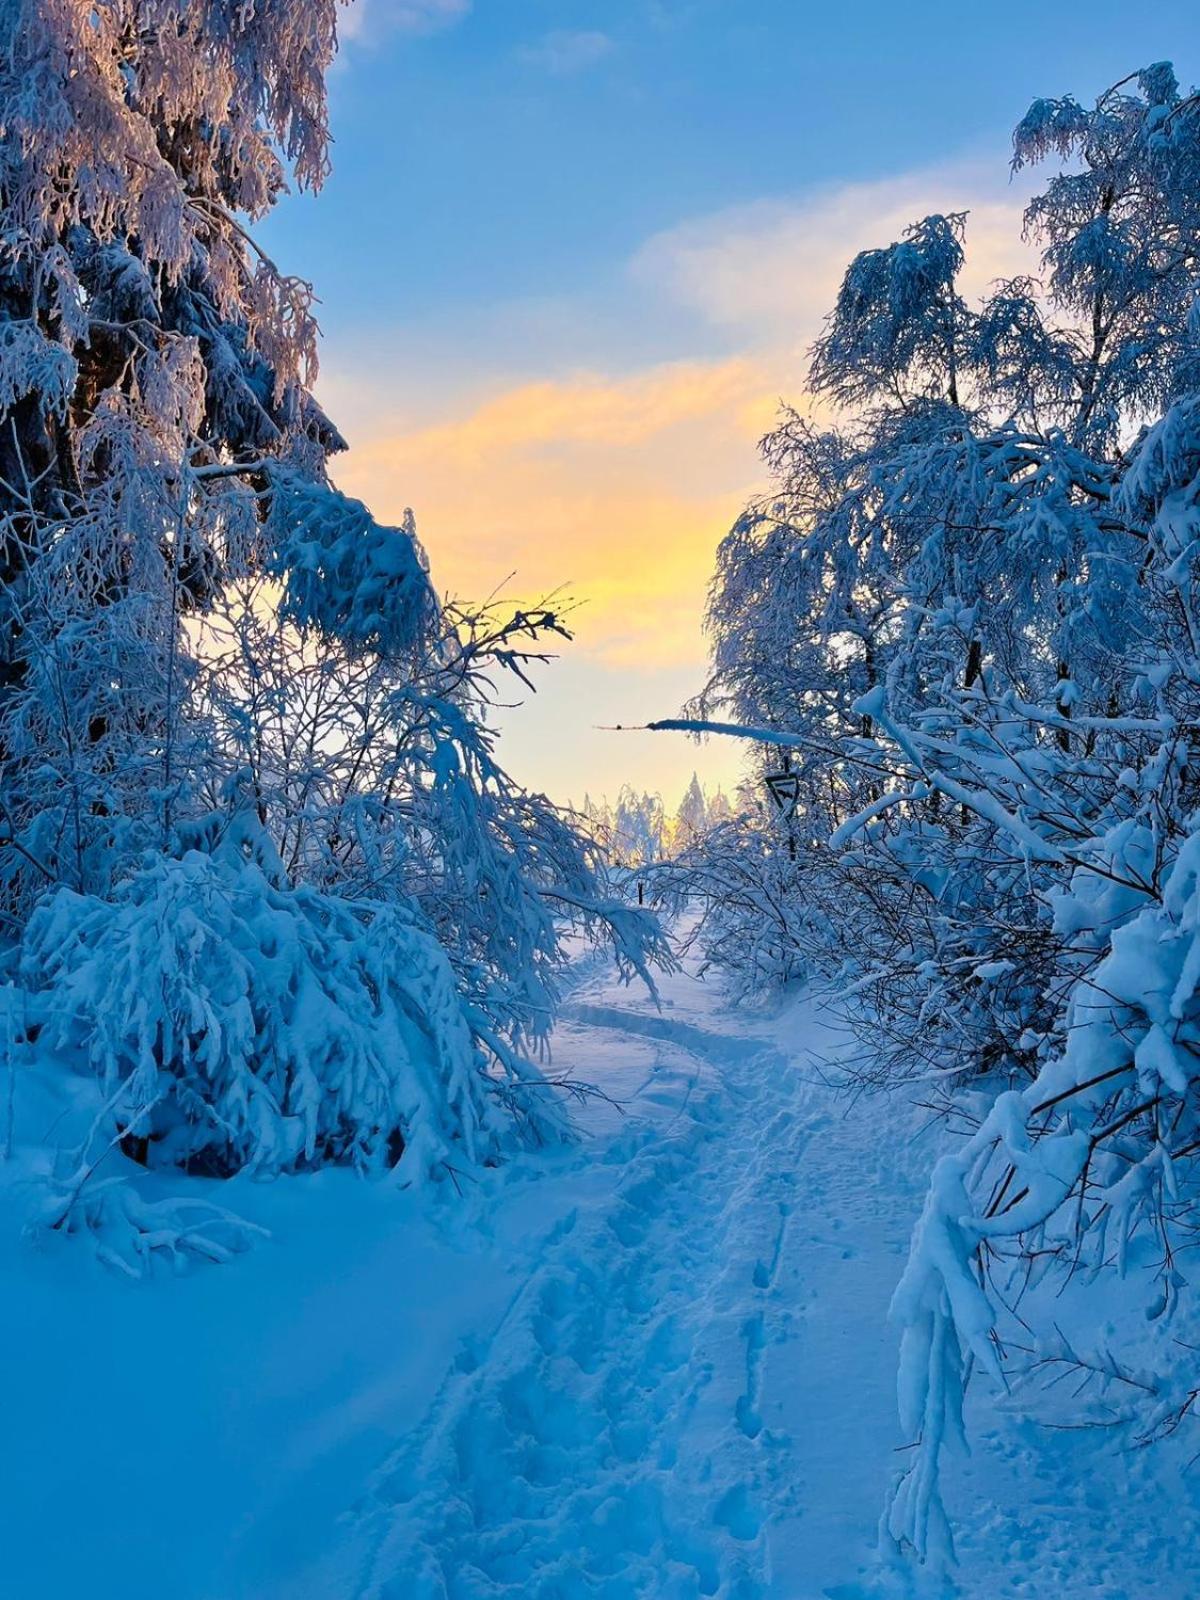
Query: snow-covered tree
(640, 828)
(639, 831)
(967, 614)
(154, 372)
(598, 816)
(692, 816)
(718, 809)
(259, 867)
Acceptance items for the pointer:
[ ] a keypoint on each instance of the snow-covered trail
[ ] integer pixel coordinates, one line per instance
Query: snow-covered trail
(681, 1398)
(651, 1366)
(690, 1389)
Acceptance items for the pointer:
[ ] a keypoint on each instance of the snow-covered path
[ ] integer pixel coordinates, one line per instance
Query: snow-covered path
(653, 1365)
(691, 1388)
(677, 1391)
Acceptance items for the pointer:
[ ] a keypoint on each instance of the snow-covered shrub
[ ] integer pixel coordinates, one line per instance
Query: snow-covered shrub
(236, 1024)
(743, 889)
(132, 1234)
(378, 778)
(1070, 1171)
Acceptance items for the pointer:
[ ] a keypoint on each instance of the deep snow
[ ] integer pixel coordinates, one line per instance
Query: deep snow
(656, 1364)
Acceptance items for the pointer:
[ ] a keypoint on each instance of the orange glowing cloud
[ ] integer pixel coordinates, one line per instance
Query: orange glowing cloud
(617, 488)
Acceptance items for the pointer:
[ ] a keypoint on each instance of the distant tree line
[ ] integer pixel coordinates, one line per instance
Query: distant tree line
(637, 829)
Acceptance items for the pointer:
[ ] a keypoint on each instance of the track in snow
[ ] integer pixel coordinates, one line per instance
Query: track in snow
(655, 1366)
(691, 1390)
(608, 1438)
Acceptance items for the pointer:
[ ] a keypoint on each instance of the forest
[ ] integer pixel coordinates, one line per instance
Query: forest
(553, 1200)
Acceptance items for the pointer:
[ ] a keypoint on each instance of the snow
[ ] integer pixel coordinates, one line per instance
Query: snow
(654, 1364)
(235, 1022)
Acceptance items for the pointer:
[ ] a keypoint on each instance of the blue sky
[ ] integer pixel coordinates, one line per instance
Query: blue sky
(589, 243)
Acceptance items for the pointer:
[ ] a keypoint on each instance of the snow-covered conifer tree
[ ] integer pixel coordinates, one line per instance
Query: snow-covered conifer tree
(639, 833)
(692, 815)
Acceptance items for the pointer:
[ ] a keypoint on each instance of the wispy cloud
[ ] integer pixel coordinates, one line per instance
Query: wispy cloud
(619, 487)
(565, 51)
(772, 269)
(369, 18)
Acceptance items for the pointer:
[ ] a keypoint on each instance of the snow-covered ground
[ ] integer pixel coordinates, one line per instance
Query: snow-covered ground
(653, 1365)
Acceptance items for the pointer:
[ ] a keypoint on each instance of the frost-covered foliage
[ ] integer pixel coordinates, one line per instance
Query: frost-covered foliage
(754, 927)
(967, 612)
(637, 830)
(259, 865)
(379, 779)
(343, 574)
(236, 1023)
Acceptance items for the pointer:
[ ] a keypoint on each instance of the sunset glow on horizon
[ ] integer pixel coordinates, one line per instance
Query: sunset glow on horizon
(576, 411)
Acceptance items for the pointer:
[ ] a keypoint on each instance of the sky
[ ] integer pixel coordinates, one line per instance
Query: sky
(571, 255)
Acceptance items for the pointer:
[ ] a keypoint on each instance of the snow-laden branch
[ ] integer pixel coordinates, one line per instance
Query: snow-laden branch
(1033, 847)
